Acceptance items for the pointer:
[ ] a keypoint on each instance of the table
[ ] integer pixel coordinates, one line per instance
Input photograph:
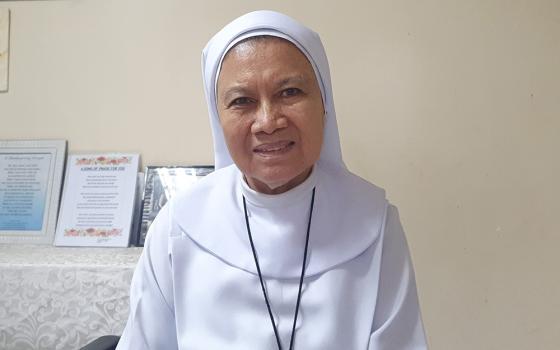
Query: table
(62, 298)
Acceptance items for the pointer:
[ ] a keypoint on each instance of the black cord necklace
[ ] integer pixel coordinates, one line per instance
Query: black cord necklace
(300, 278)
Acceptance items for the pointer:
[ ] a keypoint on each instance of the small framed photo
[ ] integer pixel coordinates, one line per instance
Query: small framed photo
(161, 184)
(30, 183)
(4, 47)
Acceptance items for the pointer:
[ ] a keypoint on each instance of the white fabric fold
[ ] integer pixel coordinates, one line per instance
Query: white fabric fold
(184, 298)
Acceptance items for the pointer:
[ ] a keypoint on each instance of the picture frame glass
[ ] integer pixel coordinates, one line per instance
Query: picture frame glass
(30, 183)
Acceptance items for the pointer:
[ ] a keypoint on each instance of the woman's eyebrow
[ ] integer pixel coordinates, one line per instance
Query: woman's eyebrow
(295, 79)
(234, 90)
(241, 89)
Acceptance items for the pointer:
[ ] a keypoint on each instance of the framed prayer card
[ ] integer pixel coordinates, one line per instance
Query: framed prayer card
(161, 184)
(98, 200)
(30, 183)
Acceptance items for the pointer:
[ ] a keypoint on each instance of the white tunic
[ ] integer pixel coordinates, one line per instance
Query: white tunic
(195, 286)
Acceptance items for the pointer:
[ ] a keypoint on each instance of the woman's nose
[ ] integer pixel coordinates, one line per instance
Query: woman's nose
(268, 119)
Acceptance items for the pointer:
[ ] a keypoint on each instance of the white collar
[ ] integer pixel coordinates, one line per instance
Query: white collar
(348, 217)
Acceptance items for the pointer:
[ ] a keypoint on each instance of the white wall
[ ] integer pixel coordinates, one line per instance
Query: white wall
(452, 106)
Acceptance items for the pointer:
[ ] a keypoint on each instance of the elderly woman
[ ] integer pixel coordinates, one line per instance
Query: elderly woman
(281, 247)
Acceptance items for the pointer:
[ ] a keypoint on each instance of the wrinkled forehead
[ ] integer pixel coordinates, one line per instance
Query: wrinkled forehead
(250, 47)
(257, 36)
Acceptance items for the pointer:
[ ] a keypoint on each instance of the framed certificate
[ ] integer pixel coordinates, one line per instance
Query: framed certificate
(161, 184)
(30, 183)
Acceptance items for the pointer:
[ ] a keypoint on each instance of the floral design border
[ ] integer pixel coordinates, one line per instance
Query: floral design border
(103, 160)
(92, 232)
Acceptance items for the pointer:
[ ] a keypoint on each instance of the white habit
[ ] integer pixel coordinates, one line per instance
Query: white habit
(196, 285)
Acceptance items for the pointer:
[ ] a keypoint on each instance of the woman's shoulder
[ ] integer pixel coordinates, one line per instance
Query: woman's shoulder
(346, 185)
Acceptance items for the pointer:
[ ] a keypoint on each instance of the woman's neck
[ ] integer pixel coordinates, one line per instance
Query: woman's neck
(262, 187)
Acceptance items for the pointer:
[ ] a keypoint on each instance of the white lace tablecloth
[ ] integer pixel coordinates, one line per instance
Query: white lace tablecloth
(62, 298)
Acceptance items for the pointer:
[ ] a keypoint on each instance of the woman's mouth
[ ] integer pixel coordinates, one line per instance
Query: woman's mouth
(274, 148)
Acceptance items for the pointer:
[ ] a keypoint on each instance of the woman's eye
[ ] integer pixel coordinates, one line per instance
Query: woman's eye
(291, 92)
(240, 101)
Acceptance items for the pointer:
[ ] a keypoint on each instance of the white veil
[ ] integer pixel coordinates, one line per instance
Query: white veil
(274, 24)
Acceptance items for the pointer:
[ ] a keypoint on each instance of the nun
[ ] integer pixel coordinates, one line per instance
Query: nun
(282, 247)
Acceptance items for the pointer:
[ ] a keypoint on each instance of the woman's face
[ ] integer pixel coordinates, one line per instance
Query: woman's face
(271, 112)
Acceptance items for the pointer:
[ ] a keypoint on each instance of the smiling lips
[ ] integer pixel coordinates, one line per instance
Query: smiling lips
(274, 148)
